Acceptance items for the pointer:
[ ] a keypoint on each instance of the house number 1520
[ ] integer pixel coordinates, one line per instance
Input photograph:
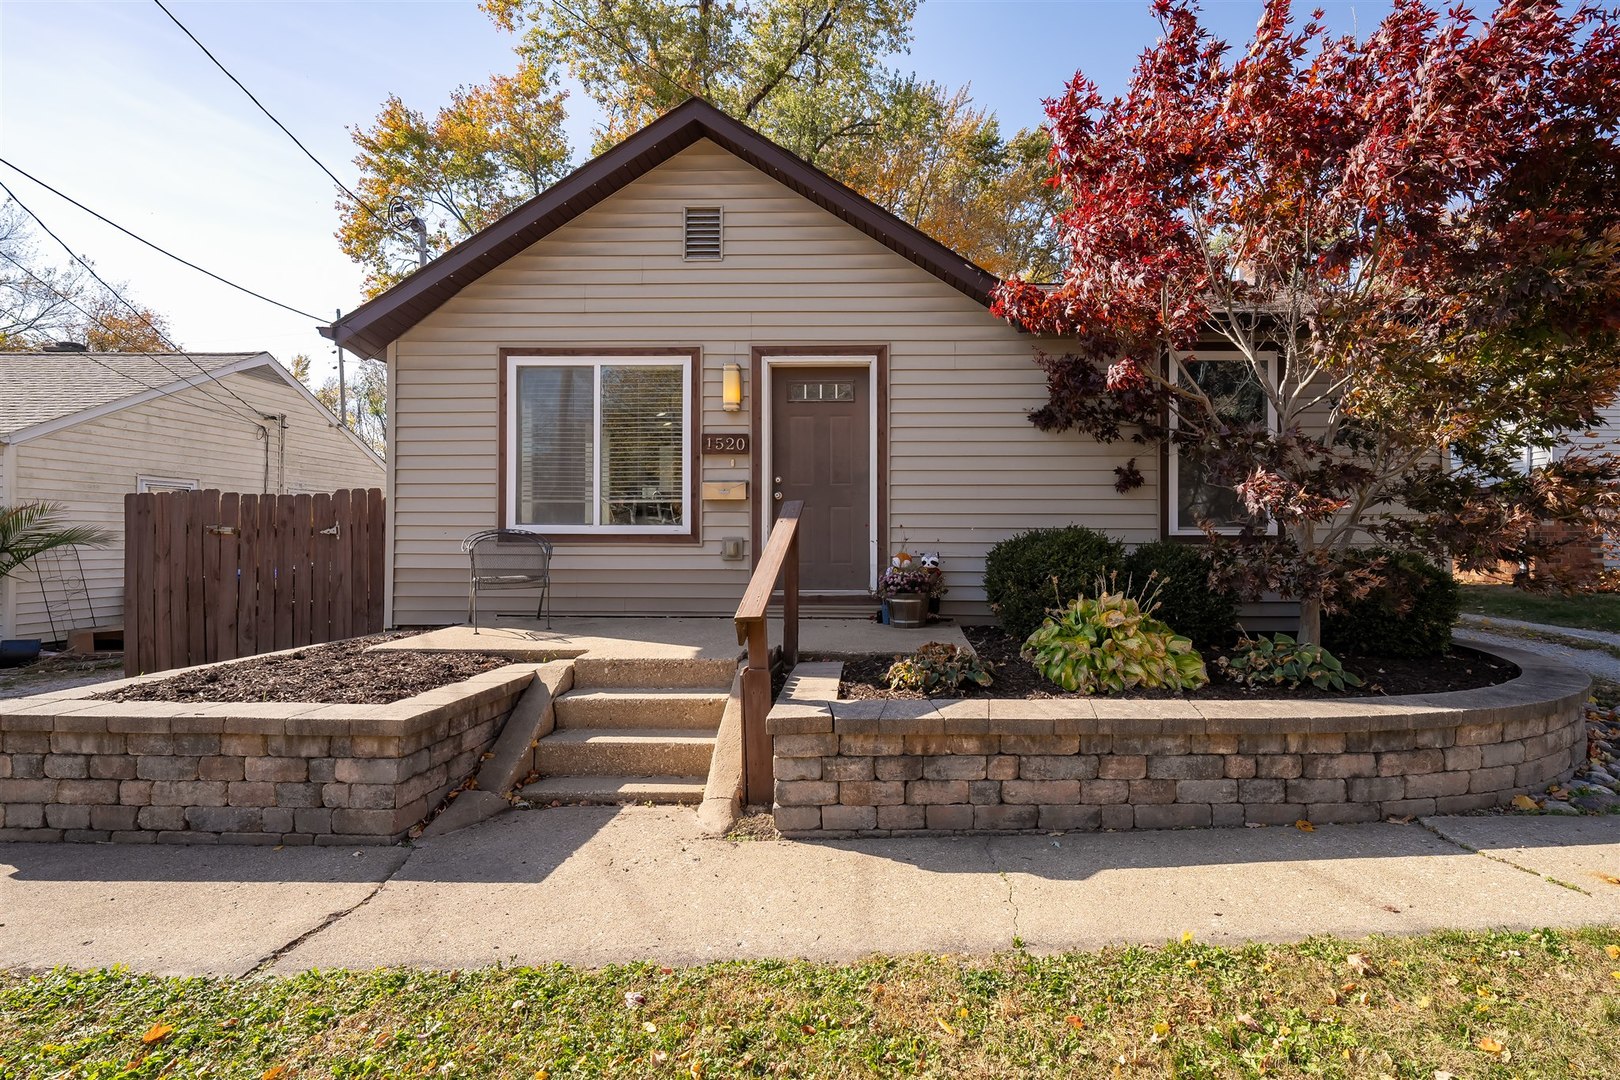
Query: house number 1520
(726, 444)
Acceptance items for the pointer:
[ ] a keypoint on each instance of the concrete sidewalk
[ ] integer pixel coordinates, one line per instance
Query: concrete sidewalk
(598, 885)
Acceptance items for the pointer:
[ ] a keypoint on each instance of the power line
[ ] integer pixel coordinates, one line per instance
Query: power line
(155, 247)
(60, 295)
(272, 116)
(91, 270)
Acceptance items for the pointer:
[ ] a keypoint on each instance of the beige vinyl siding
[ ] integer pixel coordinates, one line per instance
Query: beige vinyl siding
(966, 469)
(90, 466)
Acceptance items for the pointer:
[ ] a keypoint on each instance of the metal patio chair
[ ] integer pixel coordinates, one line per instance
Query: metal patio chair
(508, 559)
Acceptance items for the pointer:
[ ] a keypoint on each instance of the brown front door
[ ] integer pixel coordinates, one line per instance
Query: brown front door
(820, 453)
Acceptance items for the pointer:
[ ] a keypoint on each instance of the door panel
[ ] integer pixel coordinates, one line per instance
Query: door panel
(820, 453)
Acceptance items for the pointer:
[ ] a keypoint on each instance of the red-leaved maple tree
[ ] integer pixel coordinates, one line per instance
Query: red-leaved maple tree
(1353, 283)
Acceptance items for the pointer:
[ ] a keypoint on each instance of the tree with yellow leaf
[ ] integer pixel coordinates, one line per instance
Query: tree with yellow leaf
(493, 147)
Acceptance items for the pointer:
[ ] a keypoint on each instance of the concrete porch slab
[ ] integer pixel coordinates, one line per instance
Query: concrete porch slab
(645, 638)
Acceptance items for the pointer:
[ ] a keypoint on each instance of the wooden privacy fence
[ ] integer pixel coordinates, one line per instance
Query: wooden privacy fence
(212, 575)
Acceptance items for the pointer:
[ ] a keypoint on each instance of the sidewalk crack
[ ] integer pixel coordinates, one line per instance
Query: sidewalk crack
(331, 918)
(1500, 859)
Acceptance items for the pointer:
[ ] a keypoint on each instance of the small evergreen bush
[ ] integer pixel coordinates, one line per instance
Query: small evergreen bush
(1019, 572)
(1187, 601)
(1410, 614)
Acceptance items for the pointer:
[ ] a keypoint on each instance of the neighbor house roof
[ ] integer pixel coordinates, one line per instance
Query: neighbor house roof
(42, 392)
(370, 328)
(40, 387)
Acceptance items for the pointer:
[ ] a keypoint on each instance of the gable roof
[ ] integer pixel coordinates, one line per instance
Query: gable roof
(42, 387)
(46, 392)
(371, 327)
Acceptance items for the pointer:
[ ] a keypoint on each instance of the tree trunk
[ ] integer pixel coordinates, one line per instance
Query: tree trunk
(1310, 622)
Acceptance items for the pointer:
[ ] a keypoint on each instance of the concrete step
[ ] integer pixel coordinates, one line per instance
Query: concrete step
(624, 752)
(608, 673)
(680, 709)
(615, 789)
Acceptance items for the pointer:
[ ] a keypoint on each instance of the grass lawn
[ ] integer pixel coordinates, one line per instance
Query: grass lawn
(1538, 1004)
(1591, 611)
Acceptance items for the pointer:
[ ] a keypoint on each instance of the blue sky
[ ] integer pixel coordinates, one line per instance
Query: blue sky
(110, 103)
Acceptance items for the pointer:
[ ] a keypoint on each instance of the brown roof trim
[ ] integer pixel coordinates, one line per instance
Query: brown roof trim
(370, 328)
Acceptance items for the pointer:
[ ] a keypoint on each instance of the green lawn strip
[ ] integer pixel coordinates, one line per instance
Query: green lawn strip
(1537, 1004)
(1588, 611)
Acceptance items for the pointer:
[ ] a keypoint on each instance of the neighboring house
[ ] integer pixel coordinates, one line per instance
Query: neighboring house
(1602, 439)
(568, 370)
(83, 429)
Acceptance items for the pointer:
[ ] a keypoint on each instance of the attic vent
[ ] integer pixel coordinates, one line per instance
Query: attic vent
(703, 232)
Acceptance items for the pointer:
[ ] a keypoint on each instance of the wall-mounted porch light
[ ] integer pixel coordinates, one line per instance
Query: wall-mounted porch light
(731, 388)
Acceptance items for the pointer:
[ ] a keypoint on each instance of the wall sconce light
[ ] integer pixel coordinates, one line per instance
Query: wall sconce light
(731, 388)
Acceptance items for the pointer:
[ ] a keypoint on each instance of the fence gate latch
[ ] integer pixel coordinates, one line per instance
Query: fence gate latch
(335, 530)
(221, 530)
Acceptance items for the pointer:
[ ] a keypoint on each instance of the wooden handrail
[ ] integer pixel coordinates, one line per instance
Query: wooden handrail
(780, 559)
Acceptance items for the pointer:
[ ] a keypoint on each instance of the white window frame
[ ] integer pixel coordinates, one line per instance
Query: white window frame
(596, 362)
(144, 484)
(1172, 504)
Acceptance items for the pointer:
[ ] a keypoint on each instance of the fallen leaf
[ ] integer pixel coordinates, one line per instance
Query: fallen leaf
(697, 1070)
(1304, 826)
(157, 1033)
(274, 1072)
(541, 1074)
(649, 1027)
(660, 1056)
(1490, 1045)
(1248, 1021)
(1186, 936)
(1525, 802)
(1424, 1002)
(1613, 951)
(940, 1020)
(634, 999)
(1610, 878)
(1075, 1022)
(1161, 1029)
(1360, 964)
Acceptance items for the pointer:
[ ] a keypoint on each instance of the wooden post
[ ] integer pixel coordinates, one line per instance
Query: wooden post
(790, 603)
(137, 581)
(758, 778)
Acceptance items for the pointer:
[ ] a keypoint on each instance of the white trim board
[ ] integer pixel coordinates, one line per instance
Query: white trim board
(767, 473)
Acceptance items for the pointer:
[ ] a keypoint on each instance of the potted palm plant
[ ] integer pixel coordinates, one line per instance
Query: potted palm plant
(28, 530)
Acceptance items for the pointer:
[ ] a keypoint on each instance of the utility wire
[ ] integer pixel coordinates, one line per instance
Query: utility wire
(253, 411)
(93, 358)
(160, 250)
(272, 116)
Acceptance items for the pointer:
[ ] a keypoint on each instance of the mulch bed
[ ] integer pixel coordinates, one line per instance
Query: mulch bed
(1460, 669)
(342, 673)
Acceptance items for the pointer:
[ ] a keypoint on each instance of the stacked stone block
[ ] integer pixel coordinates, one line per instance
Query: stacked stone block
(901, 767)
(77, 769)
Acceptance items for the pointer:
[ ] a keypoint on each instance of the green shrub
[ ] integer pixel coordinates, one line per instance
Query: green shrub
(938, 666)
(1410, 614)
(1109, 644)
(1186, 600)
(1019, 572)
(1279, 660)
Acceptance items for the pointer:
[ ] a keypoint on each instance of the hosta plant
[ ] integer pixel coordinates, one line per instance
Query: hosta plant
(1110, 643)
(1279, 660)
(940, 667)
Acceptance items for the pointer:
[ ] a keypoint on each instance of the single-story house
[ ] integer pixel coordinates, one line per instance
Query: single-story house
(83, 429)
(647, 359)
(1603, 438)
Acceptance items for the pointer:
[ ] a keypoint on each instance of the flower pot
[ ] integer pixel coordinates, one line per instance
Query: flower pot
(18, 651)
(908, 610)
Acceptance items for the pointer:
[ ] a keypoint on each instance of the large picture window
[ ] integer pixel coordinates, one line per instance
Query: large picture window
(1195, 496)
(599, 444)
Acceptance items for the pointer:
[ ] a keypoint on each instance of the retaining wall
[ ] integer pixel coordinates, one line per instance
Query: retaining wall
(945, 765)
(77, 769)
